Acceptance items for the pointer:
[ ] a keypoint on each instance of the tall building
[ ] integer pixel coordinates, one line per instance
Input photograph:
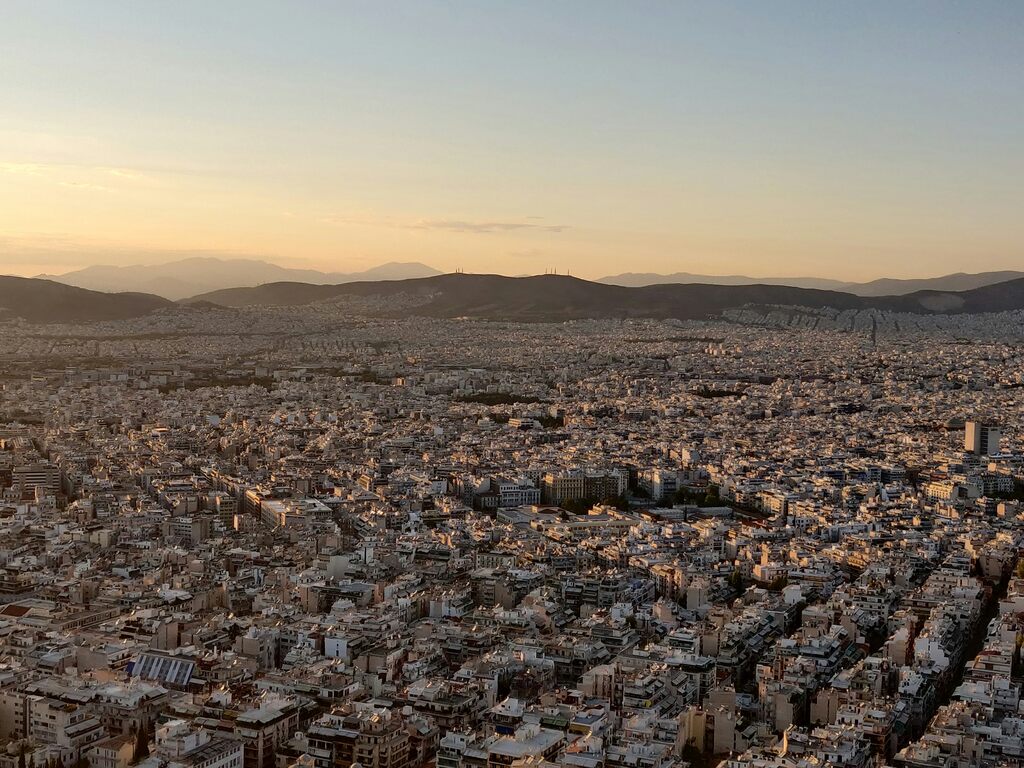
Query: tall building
(660, 484)
(43, 474)
(981, 439)
(373, 738)
(181, 745)
(261, 730)
(568, 485)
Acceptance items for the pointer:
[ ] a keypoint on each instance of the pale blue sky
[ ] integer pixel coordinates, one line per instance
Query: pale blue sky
(838, 139)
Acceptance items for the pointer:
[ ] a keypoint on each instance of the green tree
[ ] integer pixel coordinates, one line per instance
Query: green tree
(693, 756)
(778, 584)
(141, 751)
(712, 498)
(620, 502)
(683, 496)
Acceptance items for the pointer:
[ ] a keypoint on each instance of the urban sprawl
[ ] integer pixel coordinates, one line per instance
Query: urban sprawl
(318, 537)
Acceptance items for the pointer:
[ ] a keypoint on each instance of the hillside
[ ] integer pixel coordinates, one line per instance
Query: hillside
(886, 286)
(1000, 297)
(960, 281)
(642, 279)
(558, 297)
(47, 301)
(541, 297)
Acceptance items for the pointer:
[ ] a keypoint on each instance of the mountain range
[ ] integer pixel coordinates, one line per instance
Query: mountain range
(559, 297)
(184, 278)
(537, 298)
(187, 277)
(886, 286)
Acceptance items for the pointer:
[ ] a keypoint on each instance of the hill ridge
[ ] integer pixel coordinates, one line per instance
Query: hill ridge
(39, 300)
(564, 297)
(884, 286)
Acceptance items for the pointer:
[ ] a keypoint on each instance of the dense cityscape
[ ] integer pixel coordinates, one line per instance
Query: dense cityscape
(317, 536)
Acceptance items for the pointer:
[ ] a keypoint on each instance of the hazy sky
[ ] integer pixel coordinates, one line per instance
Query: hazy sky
(841, 139)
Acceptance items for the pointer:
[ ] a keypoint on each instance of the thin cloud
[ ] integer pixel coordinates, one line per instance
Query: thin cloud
(90, 177)
(483, 227)
(465, 226)
(126, 173)
(25, 169)
(84, 185)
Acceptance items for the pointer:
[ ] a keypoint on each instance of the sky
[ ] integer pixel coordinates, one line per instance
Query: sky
(843, 140)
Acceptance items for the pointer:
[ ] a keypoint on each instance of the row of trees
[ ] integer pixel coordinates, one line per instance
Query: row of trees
(707, 498)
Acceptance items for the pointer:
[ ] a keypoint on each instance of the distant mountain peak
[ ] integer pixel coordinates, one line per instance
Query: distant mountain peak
(192, 275)
(885, 286)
